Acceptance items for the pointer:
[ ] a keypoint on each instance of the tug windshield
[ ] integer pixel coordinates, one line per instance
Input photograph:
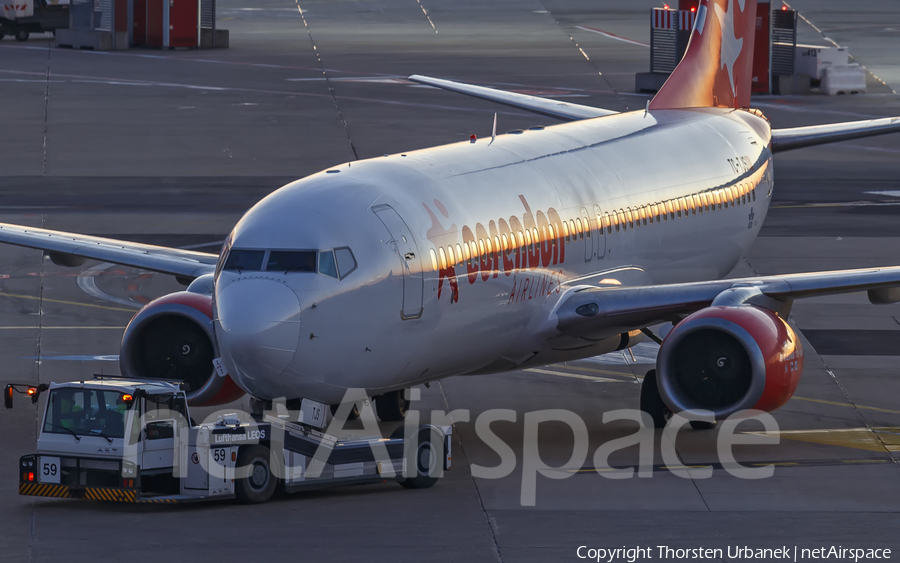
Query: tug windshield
(86, 412)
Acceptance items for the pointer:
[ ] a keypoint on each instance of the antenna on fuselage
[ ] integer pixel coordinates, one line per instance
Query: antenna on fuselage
(494, 130)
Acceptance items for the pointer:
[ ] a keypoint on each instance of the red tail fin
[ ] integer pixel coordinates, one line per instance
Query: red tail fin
(717, 66)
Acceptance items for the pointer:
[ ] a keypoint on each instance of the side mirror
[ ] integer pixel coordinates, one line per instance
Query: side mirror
(7, 396)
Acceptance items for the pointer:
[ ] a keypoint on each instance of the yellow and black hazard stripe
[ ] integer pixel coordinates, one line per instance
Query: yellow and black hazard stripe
(39, 490)
(111, 495)
(158, 500)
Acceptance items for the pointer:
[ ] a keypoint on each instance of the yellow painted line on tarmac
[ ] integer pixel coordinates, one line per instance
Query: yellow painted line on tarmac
(877, 439)
(593, 370)
(132, 311)
(851, 405)
(62, 327)
(575, 376)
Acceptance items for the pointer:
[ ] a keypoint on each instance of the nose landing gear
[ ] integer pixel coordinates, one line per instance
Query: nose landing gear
(392, 406)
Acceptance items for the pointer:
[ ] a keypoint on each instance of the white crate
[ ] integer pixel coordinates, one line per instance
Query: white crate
(812, 60)
(849, 79)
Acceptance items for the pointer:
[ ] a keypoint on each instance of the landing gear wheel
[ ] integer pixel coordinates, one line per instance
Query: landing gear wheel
(703, 424)
(354, 412)
(258, 481)
(651, 401)
(426, 458)
(393, 406)
(22, 35)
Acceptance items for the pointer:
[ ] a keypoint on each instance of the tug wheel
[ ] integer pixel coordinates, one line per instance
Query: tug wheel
(254, 483)
(426, 457)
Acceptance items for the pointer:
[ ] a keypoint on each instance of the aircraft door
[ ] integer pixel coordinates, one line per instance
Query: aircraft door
(404, 244)
(590, 235)
(600, 240)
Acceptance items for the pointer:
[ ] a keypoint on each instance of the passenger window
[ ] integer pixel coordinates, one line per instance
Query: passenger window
(434, 264)
(695, 199)
(497, 244)
(481, 251)
(621, 215)
(552, 235)
(326, 263)
(753, 193)
(644, 215)
(346, 262)
(521, 241)
(608, 224)
(247, 260)
(468, 252)
(566, 230)
(443, 257)
(291, 261)
(451, 259)
(535, 236)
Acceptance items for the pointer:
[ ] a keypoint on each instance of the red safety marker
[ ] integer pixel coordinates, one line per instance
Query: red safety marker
(472, 138)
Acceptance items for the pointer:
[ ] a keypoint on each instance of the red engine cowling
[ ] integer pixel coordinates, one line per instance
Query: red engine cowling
(172, 339)
(727, 359)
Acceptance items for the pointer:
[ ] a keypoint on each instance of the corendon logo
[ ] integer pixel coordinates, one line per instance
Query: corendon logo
(515, 246)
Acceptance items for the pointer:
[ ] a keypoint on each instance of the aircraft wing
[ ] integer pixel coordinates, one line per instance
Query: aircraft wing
(799, 137)
(183, 263)
(534, 104)
(613, 310)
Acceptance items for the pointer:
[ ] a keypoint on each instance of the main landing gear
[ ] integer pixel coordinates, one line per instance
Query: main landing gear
(652, 404)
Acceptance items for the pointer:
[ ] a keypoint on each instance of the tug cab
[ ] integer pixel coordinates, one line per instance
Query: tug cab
(127, 440)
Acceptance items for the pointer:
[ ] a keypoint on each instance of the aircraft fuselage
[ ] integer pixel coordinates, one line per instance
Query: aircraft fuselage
(464, 250)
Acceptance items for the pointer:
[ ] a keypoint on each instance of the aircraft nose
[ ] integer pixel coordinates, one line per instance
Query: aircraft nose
(257, 327)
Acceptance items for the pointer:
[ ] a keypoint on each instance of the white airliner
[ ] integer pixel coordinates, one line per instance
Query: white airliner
(530, 248)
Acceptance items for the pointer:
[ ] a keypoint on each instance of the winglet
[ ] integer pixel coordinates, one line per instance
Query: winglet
(534, 104)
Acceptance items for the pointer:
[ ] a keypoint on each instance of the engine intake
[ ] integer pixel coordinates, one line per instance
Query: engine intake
(727, 359)
(172, 339)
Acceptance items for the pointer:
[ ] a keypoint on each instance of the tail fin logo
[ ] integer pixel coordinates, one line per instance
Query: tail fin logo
(716, 70)
(731, 44)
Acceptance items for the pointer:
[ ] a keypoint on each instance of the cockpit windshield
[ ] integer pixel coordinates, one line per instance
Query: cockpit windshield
(291, 261)
(337, 263)
(245, 260)
(86, 412)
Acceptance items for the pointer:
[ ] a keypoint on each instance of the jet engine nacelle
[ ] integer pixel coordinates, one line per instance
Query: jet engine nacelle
(172, 339)
(727, 359)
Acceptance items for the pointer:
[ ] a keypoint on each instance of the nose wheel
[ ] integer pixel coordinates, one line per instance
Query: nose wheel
(393, 406)
(354, 411)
